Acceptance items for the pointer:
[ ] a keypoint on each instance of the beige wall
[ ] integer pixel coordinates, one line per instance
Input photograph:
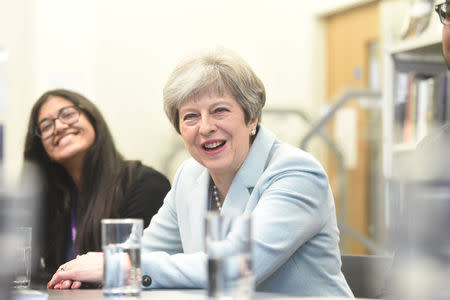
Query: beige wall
(16, 20)
(120, 53)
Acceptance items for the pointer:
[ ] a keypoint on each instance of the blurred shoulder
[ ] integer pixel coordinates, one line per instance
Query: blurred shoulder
(143, 174)
(437, 140)
(146, 171)
(141, 170)
(430, 160)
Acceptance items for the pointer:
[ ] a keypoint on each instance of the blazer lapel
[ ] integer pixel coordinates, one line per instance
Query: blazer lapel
(236, 199)
(197, 203)
(249, 173)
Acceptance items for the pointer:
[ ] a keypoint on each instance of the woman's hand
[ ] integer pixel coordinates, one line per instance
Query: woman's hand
(84, 268)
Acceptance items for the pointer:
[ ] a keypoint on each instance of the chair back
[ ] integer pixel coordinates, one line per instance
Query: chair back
(366, 275)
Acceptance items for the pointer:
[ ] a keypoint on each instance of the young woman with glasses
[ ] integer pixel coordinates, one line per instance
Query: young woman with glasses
(86, 178)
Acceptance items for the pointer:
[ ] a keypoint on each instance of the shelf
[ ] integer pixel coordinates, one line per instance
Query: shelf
(422, 45)
(423, 52)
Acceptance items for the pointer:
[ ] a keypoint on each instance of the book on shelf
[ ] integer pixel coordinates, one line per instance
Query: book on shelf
(400, 99)
(441, 103)
(409, 127)
(421, 104)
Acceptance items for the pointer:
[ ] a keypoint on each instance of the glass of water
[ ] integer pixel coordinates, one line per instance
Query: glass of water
(22, 257)
(121, 244)
(228, 245)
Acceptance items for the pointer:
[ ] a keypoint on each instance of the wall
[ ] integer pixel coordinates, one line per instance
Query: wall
(16, 19)
(120, 53)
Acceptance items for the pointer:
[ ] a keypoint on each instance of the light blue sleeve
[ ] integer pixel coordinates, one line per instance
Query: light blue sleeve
(175, 271)
(293, 204)
(115, 274)
(163, 233)
(162, 251)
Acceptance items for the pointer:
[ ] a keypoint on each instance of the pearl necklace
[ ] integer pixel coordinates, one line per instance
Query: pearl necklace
(215, 194)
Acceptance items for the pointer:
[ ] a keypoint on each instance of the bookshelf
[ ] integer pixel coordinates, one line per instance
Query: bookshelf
(415, 100)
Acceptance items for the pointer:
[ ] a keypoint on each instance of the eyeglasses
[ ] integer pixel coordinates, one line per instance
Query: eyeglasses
(441, 10)
(68, 115)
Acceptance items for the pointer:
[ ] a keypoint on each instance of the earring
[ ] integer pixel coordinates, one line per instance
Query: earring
(253, 132)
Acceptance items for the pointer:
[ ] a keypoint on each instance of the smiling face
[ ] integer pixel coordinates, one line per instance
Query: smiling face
(69, 143)
(215, 133)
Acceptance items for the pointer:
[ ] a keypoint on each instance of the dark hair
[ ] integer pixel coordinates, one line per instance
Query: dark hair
(105, 177)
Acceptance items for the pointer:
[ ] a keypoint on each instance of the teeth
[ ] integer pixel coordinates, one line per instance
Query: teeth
(212, 145)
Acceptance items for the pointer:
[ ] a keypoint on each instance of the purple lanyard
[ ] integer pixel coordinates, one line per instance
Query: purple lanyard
(73, 218)
(73, 222)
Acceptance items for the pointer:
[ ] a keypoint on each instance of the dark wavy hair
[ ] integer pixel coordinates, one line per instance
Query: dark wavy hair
(105, 177)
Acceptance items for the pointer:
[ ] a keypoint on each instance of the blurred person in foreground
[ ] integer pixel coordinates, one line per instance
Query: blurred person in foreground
(422, 259)
(214, 101)
(85, 178)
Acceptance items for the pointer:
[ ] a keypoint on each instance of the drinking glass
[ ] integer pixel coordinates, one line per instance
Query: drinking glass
(228, 245)
(22, 257)
(121, 244)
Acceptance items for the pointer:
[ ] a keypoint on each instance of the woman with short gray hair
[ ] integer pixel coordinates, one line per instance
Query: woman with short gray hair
(214, 101)
(215, 72)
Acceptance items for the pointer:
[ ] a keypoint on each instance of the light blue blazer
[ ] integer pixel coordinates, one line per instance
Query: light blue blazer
(295, 235)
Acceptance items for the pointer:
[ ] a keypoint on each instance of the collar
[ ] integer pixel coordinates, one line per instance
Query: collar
(246, 178)
(257, 157)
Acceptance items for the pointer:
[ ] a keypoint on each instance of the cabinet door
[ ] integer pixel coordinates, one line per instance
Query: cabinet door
(349, 36)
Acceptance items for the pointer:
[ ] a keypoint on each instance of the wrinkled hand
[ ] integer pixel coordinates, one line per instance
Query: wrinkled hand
(84, 268)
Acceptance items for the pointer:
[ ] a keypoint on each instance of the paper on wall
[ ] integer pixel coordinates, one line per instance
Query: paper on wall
(346, 135)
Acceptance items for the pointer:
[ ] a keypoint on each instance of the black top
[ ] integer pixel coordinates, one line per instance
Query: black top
(142, 200)
(145, 196)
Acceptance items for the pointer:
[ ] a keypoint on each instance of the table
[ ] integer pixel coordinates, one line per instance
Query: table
(165, 294)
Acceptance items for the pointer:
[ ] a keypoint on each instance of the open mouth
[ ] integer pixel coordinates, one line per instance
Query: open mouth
(213, 146)
(65, 136)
